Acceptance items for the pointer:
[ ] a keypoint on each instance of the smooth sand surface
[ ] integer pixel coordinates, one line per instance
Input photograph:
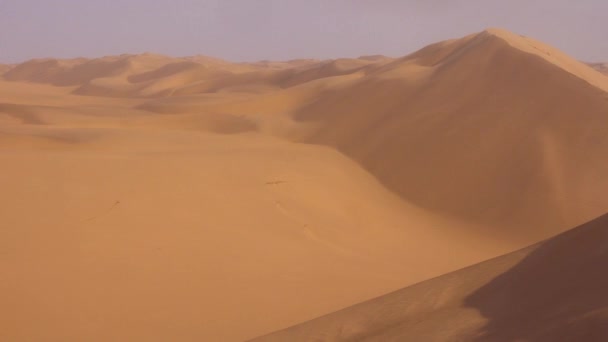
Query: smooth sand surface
(149, 198)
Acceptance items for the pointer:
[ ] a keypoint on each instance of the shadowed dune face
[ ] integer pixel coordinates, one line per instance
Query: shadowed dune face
(554, 291)
(557, 293)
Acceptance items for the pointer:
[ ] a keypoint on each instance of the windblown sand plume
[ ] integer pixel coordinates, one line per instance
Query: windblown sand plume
(601, 67)
(151, 198)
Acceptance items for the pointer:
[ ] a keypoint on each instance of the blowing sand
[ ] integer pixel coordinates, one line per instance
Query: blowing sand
(601, 67)
(149, 198)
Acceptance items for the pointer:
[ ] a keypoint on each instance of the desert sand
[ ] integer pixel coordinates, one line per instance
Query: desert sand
(152, 198)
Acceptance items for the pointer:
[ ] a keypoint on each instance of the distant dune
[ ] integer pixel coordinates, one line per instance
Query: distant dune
(152, 75)
(552, 291)
(116, 76)
(151, 198)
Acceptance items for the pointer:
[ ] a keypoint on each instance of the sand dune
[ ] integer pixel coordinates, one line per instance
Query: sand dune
(150, 198)
(515, 125)
(273, 79)
(119, 76)
(325, 69)
(155, 83)
(152, 75)
(80, 71)
(552, 291)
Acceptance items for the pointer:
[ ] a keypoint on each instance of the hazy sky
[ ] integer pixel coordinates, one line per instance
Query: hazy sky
(242, 30)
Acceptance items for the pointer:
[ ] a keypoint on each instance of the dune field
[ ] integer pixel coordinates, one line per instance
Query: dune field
(155, 198)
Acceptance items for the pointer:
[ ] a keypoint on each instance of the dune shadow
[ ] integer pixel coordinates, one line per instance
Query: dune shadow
(559, 292)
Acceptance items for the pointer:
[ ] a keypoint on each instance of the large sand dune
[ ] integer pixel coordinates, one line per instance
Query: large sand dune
(514, 126)
(150, 198)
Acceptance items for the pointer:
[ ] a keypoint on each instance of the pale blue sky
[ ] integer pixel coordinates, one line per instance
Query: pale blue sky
(248, 30)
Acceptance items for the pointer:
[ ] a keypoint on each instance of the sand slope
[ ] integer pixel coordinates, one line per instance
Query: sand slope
(553, 291)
